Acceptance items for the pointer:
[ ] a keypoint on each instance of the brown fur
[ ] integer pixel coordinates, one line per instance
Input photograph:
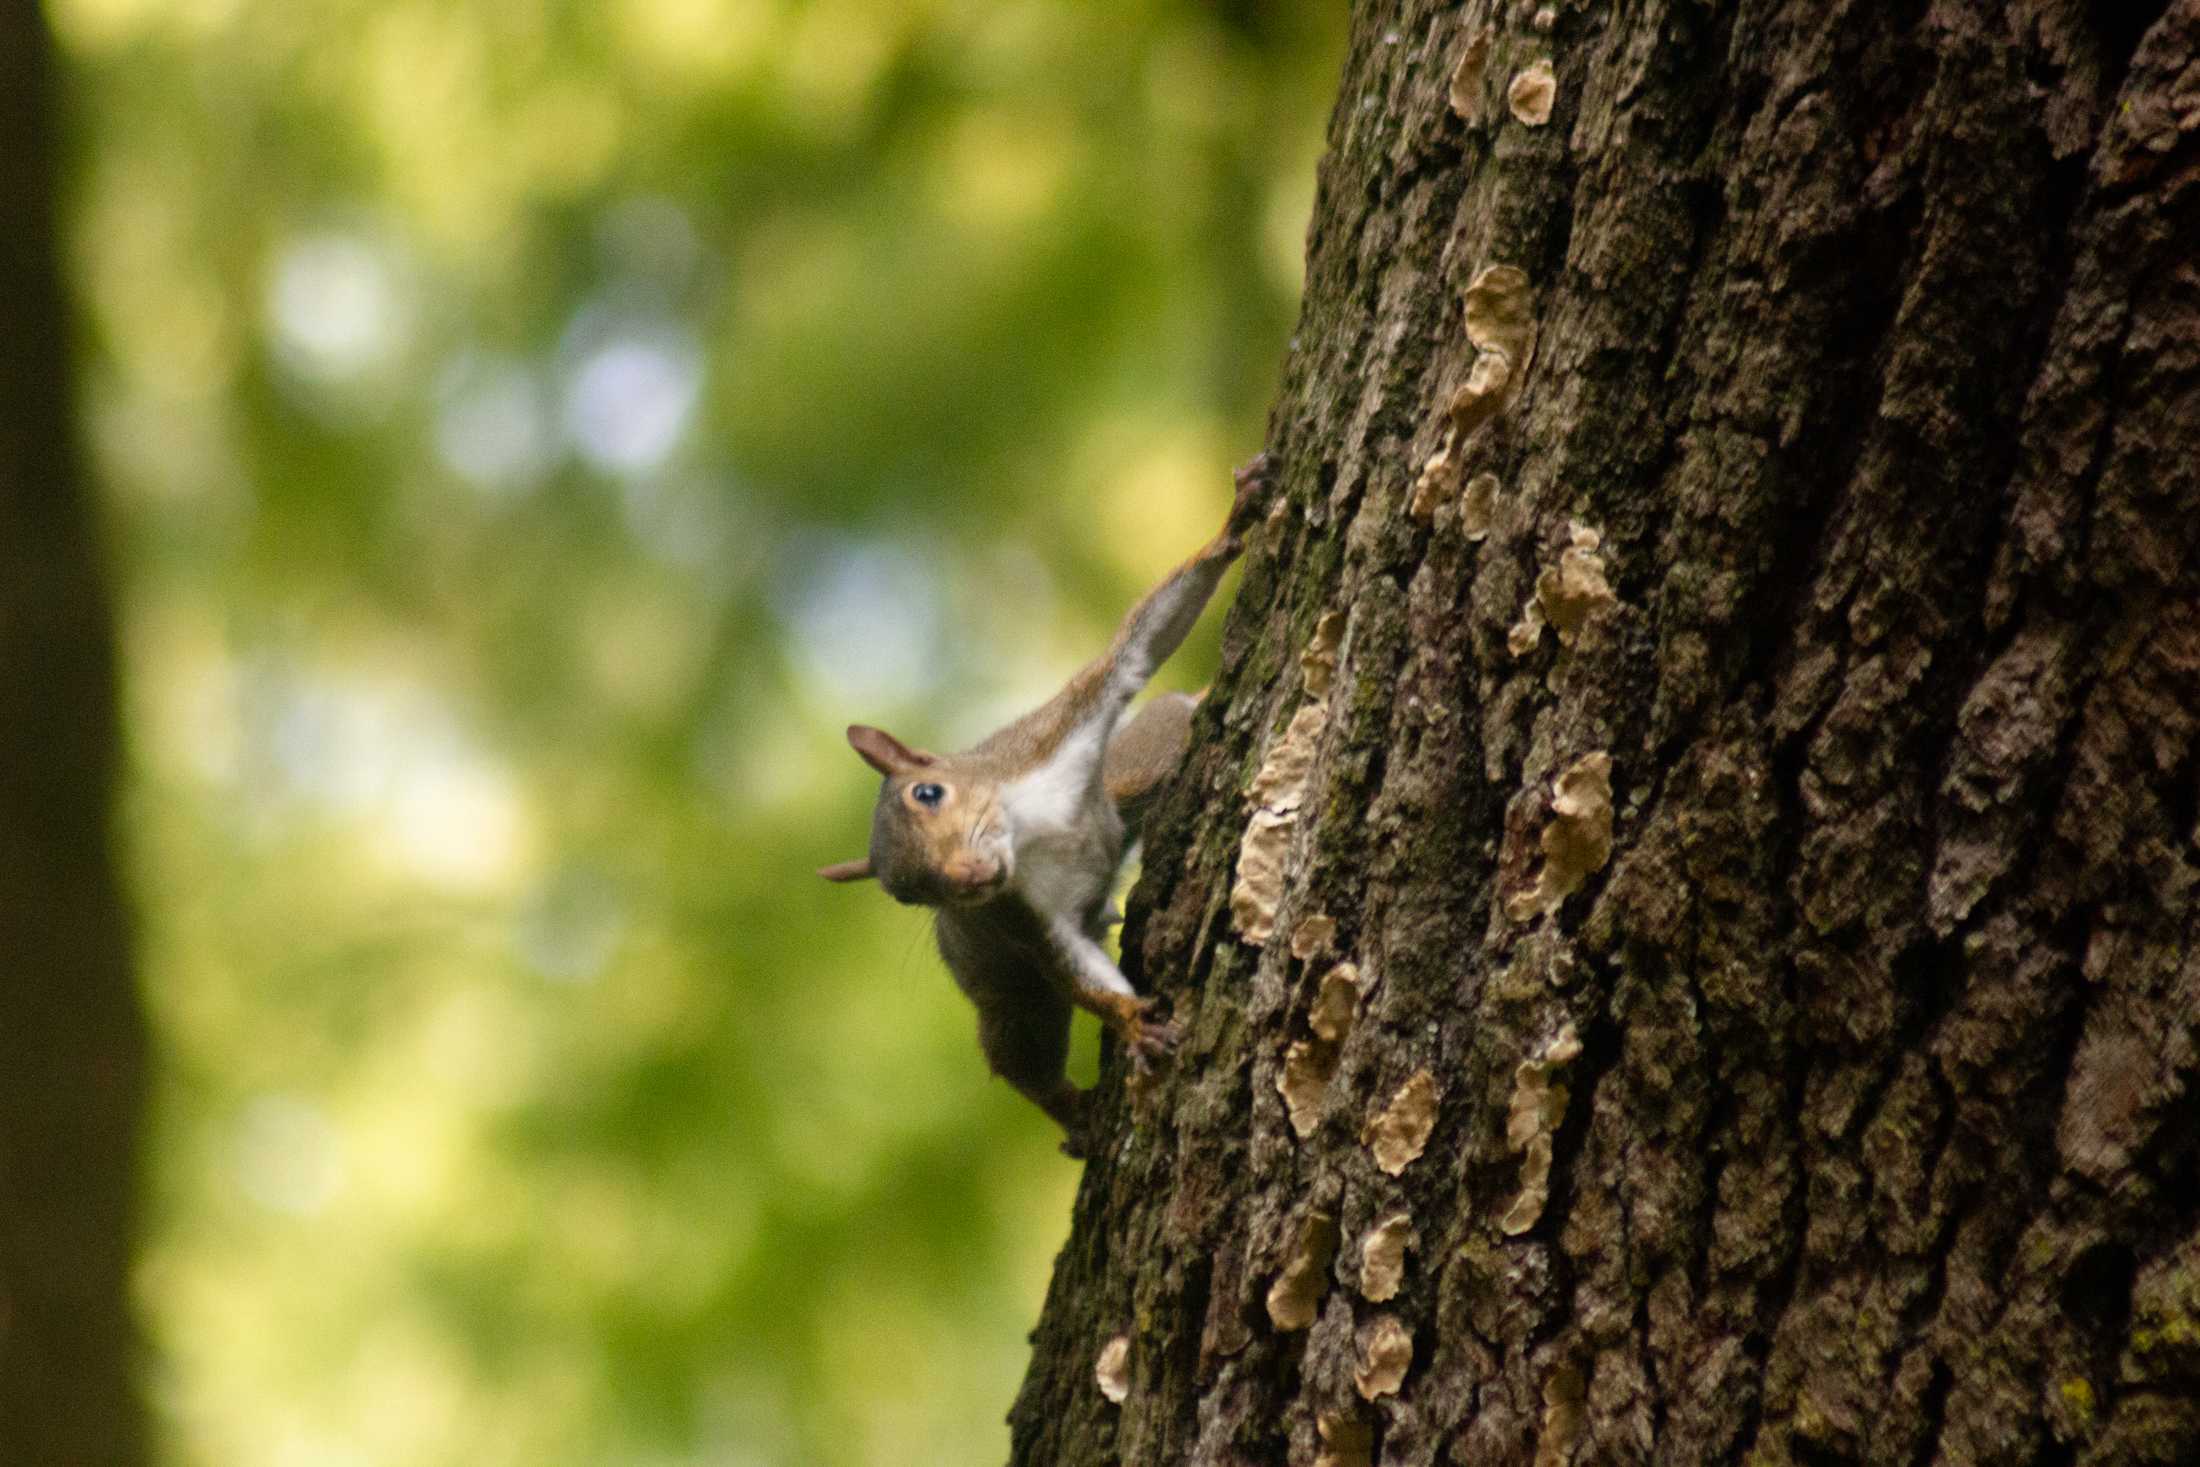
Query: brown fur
(1016, 841)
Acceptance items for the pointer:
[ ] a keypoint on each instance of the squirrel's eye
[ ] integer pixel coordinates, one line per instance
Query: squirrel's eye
(927, 795)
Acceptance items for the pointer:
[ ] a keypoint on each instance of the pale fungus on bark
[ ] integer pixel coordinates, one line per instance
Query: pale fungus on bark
(1479, 398)
(1347, 1441)
(1260, 874)
(1386, 1354)
(1335, 1003)
(1478, 505)
(1500, 324)
(1112, 1369)
(1527, 632)
(1466, 75)
(1278, 791)
(1280, 788)
(1564, 1391)
(1575, 590)
(1313, 936)
(1281, 783)
(1318, 663)
(1400, 1132)
(1303, 1082)
(1531, 1123)
(1577, 841)
(1500, 312)
(1531, 94)
(1434, 485)
(1383, 1258)
(1310, 1064)
(1297, 1292)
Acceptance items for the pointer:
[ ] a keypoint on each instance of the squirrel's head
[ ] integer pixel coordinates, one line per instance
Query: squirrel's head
(939, 837)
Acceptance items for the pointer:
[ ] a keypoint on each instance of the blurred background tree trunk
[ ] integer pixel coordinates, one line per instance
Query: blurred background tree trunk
(71, 1037)
(1823, 1096)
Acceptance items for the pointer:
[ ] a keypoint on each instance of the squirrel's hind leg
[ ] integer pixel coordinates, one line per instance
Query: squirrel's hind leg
(1027, 1044)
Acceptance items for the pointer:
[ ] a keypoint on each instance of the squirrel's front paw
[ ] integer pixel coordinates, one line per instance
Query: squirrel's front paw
(1255, 481)
(1148, 1039)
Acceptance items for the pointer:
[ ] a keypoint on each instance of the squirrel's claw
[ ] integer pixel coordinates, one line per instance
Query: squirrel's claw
(1255, 481)
(1148, 1039)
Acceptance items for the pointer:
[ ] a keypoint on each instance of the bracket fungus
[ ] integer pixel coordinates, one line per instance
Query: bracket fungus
(1298, 1290)
(1499, 311)
(1112, 1369)
(1531, 1122)
(1400, 1133)
(1466, 75)
(1478, 506)
(1386, 1354)
(1574, 590)
(1279, 789)
(1313, 936)
(1577, 841)
(1310, 1064)
(1531, 94)
(1347, 1441)
(1318, 663)
(1433, 486)
(1383, 1258)
(1564, 1393)
(1500, 324)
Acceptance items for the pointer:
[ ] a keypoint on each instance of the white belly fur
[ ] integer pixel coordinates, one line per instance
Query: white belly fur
(1068, 836)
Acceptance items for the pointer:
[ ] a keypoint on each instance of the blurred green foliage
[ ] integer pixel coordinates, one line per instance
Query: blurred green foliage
(530, 431)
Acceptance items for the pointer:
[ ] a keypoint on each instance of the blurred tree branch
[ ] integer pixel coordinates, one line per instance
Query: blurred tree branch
(71, 1076)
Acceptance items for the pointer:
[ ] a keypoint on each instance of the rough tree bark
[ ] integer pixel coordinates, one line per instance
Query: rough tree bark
(71, 1041)
(1825, 1096)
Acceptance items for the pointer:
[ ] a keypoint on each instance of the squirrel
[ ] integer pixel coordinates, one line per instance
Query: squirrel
(1016, 842)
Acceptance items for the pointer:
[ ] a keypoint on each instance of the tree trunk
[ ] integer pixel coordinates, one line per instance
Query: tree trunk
(1822, 1095)
(71, 1041)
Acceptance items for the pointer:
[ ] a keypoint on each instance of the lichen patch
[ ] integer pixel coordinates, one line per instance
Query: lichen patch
(1478, 506)
(1385, 1355)
(1383, 1257)
(1112, 1369)
(1577, 841)
(1466, 75)
(1297, 1292)
(1398, 1135)
(1531, 94)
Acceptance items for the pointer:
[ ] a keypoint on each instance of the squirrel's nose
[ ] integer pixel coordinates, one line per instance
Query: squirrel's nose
(972, 871)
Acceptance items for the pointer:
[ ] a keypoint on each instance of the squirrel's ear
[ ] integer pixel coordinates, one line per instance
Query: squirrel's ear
(883, 752)
(847, 871)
